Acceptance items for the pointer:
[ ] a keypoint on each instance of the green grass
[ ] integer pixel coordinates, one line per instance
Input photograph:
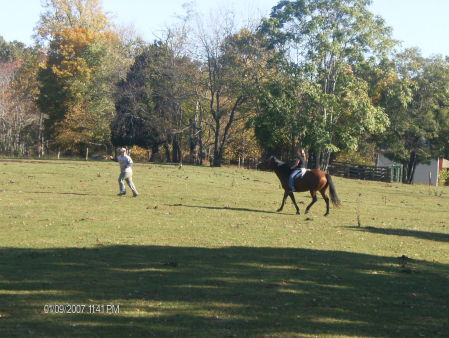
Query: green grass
(201, 253)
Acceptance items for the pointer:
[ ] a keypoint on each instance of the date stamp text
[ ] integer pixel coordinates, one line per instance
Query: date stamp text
(81, 308)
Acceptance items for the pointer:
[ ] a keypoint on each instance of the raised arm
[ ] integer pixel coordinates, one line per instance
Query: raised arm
(297, 161)
(110, 158)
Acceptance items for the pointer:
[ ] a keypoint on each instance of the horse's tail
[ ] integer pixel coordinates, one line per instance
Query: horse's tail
(334, 197)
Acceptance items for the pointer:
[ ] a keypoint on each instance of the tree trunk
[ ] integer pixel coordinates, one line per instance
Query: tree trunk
(200, 147)
(177, 149)
(404, 173)
(40, 137)
(325, 161)
(412, 174)
(193, 150)
(217, 159)
(318, 160)
(167, 152)
(200, 135)
(154, 152)
(411, 167)
(217, 154)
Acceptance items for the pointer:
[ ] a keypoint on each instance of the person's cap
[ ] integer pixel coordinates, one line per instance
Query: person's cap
(121, 150)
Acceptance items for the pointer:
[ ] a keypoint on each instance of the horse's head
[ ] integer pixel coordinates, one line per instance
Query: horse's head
(269, 164)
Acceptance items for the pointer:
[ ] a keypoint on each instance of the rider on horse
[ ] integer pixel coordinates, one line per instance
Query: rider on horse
(315, 181)
(297, 169)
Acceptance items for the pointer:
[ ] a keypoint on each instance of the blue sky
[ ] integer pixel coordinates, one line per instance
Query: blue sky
(418, 23)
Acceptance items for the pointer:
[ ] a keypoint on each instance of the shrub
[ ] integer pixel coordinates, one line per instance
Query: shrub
(444, 177)
(139, 153)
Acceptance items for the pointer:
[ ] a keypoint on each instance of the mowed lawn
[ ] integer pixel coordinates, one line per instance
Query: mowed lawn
(202, 253)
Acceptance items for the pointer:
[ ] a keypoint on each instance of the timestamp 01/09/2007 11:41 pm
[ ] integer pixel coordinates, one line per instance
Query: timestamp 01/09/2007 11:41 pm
(81, 308)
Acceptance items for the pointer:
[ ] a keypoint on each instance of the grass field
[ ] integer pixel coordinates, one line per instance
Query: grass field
(201, 253)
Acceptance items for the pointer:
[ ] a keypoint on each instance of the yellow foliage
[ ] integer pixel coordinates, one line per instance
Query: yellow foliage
(382, 85)
(139, 153)
(243, 144)
(365, 156)
(61, 14)
(75, 128)
(71, 44)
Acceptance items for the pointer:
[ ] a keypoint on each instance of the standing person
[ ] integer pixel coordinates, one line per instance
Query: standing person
(298, 169)
(126, 172)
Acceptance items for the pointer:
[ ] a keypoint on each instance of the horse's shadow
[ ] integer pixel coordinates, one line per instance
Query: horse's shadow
(225, 208)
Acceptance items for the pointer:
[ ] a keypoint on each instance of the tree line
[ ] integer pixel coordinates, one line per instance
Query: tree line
(322, 75)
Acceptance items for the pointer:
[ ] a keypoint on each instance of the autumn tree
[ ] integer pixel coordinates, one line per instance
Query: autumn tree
(19, 116)
(59, 15)
(243, 146)
(232, 64)
(77, 81)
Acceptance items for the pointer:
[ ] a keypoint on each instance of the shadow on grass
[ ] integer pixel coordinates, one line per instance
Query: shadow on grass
(59, 193)
(233, 291)
(433, 236)
(224, 208)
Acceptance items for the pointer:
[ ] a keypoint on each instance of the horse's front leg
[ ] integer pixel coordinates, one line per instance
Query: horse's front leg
(294, 202)
(283, 202)
(314, 199)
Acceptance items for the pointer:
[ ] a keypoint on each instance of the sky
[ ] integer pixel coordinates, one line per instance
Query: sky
(417, 23)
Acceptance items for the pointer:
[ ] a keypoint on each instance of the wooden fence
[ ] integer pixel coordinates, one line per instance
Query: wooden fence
(365, 172)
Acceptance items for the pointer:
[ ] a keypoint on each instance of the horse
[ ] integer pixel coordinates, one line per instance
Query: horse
(313, 180)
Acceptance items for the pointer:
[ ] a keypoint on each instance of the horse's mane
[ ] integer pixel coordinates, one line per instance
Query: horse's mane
(282, 165)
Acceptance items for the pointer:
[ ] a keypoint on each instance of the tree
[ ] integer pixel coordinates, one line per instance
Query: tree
(77, 81)
(12, 51)
(278, 121)
(135, 122)
(243, 145)
(66, 82)
(417, 102)
(19, 116)
(59, 15)
(323, 42)
(233, 64)
(155, 101)
(168, 95)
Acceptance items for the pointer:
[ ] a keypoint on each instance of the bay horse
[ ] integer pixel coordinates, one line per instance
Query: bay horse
(313, 180)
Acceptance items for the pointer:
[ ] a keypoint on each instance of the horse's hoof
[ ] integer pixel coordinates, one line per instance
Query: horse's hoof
(307, 211)
(326, 214)
(298, 213)
(278, 210)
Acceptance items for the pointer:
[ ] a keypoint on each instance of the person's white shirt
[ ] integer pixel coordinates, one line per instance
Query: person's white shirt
(125, 163)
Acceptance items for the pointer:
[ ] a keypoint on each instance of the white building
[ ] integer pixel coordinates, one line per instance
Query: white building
(423, 172)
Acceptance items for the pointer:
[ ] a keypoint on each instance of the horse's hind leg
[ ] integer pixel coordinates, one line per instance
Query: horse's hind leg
(326, 199)
(314, 199)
